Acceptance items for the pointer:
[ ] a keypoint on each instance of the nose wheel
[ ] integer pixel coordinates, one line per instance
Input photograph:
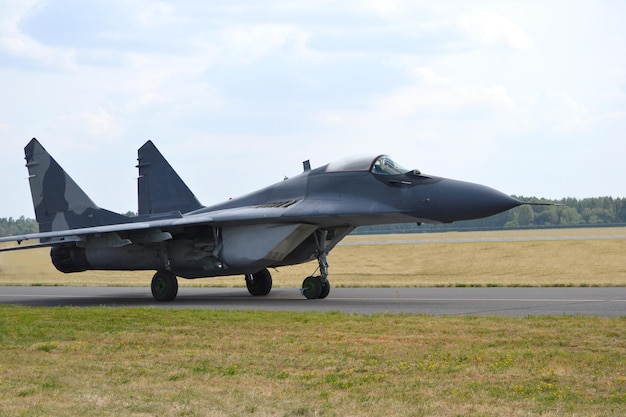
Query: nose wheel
(313, 288)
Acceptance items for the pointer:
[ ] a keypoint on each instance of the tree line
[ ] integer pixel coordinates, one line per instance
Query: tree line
(571, 212)
(11, 227)
(598, 211)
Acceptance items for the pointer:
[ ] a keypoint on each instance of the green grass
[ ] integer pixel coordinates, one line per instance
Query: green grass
(103, 361)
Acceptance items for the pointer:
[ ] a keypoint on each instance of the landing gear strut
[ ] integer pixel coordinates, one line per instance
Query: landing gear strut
(164, 286)
(259, 283)
(318, 287)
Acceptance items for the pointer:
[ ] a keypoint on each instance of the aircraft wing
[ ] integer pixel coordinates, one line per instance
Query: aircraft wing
(76, 234)
(228, 217)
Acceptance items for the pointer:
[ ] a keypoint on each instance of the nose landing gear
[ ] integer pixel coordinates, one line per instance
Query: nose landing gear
(318, 287)
(313, 288)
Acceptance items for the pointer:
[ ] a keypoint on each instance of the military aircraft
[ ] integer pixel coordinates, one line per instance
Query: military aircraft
(297, 220)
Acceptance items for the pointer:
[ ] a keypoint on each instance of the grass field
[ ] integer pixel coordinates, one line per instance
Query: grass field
(155, 362)
(159, 362)
(570, 262)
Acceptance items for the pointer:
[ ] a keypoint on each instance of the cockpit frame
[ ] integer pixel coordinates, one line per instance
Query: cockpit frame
(379, 165)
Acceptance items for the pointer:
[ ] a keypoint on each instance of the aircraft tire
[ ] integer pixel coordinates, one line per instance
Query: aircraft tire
(164, 286)
(325, 290)
(259, 283)
(312, 287)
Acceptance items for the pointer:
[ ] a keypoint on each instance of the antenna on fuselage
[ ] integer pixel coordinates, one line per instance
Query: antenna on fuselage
(306, 165)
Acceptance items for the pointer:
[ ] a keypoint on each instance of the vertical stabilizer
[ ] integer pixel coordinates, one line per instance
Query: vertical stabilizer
(59, 202)
(160, 189)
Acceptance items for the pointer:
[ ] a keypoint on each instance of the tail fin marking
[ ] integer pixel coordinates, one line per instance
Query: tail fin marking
(60, 204)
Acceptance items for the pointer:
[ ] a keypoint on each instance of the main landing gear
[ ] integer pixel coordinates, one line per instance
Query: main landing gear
(259, 283)
(164, 286)
(318, 287)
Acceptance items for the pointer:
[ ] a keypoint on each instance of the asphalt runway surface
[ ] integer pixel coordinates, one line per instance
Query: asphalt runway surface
(501, 301)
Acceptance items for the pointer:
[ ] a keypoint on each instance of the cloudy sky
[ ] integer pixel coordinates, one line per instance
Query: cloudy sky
(528, 97)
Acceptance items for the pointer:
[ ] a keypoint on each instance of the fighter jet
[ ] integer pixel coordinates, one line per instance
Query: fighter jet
(297, 220)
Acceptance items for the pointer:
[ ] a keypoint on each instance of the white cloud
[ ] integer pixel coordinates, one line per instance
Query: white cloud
(157, 13)
(429, 77)
(315, 80)
(102, 123)
(561, 113)
(333, 119)
(249, 43)
(17, 44)
(381, 7)
(491, 29)
(409, 101)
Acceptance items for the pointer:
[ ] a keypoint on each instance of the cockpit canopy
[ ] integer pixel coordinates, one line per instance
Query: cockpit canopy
(381, 165)
(386, 166)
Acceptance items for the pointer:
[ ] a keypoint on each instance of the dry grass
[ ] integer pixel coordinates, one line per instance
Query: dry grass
(586, 262)
(145, 362)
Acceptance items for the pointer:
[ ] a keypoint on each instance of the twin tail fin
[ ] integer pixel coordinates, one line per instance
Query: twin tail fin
(160, 189)
(60, 204)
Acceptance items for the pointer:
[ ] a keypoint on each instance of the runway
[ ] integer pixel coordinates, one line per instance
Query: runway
(511, 302)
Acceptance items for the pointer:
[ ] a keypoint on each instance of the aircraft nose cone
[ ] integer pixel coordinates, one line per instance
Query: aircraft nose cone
(459, 200)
